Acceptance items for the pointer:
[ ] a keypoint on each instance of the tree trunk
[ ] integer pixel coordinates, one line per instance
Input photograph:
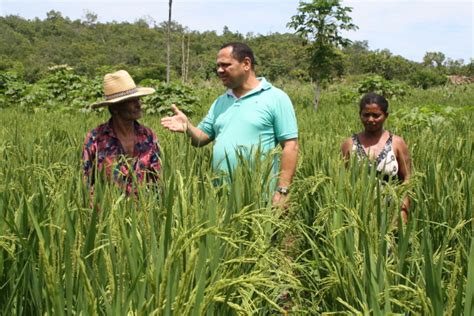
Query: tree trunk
(317, 94)
(185, 57)
(183, 60)
(168, 44)
(187, 60)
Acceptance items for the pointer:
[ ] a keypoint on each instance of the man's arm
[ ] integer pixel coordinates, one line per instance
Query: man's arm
(198, 137)
(180, 123)
(289, 158)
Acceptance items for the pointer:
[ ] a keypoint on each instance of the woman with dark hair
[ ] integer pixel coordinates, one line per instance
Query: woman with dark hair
(389, 153)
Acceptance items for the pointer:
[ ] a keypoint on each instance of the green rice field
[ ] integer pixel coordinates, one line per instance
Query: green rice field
(194, 248)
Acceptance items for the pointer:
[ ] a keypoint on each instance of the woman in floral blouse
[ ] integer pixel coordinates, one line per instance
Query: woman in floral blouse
(122, 149)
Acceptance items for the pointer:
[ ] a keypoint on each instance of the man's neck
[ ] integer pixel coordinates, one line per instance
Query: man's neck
(248, 85)
(123, 127)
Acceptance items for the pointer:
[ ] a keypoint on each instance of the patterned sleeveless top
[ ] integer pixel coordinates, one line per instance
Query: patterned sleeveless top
(386, 162)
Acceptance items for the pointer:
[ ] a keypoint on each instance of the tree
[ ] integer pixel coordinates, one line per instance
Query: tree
(54, 16)
(320, 22)
(470, 68)
(90, 18)
(434, 59)
(354, 54)
(384, 63)
(454, 66)
(168, 43)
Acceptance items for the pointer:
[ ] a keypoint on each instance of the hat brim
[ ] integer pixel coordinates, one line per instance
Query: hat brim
(140, 93)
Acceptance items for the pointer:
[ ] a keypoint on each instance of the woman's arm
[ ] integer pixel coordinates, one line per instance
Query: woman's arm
(346, 149)
(404, 170)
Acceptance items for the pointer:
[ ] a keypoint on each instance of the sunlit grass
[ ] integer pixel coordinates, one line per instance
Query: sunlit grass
(198, 248)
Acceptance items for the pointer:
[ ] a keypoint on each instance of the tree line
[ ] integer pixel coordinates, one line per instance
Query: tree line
(29, 47)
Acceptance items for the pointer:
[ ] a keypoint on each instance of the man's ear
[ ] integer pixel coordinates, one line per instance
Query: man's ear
(247, 63)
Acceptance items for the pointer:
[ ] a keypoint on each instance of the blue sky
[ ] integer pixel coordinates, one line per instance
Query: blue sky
(406, 27)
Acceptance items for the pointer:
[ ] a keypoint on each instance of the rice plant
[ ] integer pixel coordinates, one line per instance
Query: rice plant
(196, 248)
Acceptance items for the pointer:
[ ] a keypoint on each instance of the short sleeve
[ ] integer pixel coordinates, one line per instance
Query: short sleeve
(88, 155)
(207, 123)
(285, 124)
(155, 162)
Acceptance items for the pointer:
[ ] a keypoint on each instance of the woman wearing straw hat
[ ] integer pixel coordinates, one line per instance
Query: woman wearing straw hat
(122, 148)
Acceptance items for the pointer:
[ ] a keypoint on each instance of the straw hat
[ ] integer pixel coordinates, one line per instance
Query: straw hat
(119, 86)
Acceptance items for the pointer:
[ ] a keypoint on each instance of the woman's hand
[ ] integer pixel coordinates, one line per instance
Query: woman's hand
(404, 210)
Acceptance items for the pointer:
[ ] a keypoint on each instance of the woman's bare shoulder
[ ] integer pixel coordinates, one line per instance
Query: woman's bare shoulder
(399, 143)
(347, 142)
(398, 140)
(346, 145)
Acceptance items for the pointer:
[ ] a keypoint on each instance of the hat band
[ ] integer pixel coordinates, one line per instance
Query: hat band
(120, 94)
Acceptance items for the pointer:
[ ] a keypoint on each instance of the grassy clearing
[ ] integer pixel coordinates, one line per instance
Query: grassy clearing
(199, 249)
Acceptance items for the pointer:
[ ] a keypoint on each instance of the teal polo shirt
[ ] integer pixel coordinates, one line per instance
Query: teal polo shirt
(257, 121)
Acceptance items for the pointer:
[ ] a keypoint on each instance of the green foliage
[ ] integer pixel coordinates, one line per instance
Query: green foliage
(153, 71)
(347, 95)
(11, 88)
(198, 249)
(71, 89)
(434, 59)
(30, 47)
(426, 78)
(383, 63)
(427, 116)
(166, 95)
(452, 91)
(388, 89)
(274, 70)
(61, 89)
(354, 54)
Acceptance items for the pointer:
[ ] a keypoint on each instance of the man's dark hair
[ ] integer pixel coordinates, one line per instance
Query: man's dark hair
(240, 51)
(374, 98)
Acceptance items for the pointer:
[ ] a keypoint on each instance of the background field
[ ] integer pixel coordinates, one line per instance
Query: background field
(199, 249)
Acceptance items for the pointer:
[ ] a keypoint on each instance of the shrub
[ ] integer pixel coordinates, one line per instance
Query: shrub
(62, 89)
(166, 94)
(11, 89)
(427, 115)
(347, 95)
(426, 78)
(389, 89)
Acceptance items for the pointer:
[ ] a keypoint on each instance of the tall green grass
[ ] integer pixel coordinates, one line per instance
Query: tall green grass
(194, 248)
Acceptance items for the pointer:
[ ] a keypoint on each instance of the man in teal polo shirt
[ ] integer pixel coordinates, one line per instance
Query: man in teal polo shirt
(252, 115)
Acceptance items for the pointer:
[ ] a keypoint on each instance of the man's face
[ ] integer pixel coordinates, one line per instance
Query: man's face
(129, 110)
(231, 71)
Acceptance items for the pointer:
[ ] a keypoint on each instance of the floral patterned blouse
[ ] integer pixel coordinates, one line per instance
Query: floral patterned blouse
(103, 149)
(386, 162)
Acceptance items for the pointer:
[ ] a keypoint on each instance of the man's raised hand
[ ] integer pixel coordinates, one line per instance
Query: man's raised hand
(176, 123)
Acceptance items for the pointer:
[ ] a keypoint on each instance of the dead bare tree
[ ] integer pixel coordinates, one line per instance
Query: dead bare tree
(168, 44)
(185, 57)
